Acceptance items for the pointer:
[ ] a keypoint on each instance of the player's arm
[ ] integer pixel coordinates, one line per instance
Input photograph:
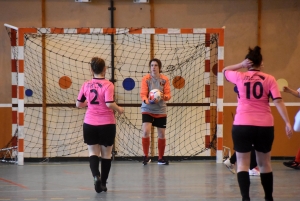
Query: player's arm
(297, 122)
(167, 91)
(115, 107)
(109, 99)
(283, 113)
(244, 64)
(291, 91)
(144, 91)
(81, 99)
(81, 104)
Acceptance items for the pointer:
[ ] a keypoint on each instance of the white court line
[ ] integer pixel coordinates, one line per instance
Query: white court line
(6, 105)
(271, 104)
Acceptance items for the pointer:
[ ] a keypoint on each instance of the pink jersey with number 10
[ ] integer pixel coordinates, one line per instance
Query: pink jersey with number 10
(255, 88)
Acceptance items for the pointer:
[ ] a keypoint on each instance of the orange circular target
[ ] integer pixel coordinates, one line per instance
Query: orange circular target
(178, 82)
(65, 82)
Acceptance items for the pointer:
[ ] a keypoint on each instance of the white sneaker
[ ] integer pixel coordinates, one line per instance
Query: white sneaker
(254, 172)
(229, 166)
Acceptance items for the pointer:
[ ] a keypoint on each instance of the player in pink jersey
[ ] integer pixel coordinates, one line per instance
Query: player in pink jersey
(295, 164)
(155, 113)
(99, 127)
(253, 123)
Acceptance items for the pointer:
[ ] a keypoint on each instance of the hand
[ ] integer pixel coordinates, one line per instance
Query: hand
(288, 130)
(246, 63)
(286, 89)
(120, 110)
(154, 101)
(162, 96)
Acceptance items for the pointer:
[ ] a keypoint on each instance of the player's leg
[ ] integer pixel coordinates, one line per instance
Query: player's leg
(94, 152)
(243, 163)
(108, 134)
(146, 127)
(105, 165)
(233, 158)
(263, 146)
(295, 164)
(297, 159)
(242, 138)
(253, 162)
(160, 123)
(254, 170)
(91, 139)
(266, 174)
(230, 163)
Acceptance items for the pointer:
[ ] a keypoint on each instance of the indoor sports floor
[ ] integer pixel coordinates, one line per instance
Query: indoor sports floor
(180, 181)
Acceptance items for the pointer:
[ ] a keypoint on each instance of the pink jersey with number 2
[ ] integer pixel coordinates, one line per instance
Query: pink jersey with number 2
(255, 88)
(97, 92)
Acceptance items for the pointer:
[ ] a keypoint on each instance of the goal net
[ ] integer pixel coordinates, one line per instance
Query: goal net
(56, 63)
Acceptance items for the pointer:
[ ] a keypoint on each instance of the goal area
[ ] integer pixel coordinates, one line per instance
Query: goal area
(49, 65)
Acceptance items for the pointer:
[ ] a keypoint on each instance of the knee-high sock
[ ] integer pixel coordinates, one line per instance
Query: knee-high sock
(232, 159)
(297, 159)
(267, 183)
(105, 169)
(253, 162)
(161, 147)
(244, 183)
(94, 165)
(146, 145)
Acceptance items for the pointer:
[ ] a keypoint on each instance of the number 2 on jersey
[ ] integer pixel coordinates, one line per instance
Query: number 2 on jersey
(94, 101)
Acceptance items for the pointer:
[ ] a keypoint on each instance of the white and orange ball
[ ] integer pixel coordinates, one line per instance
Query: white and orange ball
(154, 95)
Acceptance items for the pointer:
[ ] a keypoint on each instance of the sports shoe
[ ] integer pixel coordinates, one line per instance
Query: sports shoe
(103, 187)
(97, 184)
(146, 160)
(229, 166)
(162, 161)
(254, 172)
(292, 164)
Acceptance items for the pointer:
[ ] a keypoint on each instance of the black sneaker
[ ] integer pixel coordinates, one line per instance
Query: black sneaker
(97, 184)
(146, 160)
(162, 161)
(292, 164)
(103, 187)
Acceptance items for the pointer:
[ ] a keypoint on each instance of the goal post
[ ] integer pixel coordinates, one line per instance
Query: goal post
(49, 66)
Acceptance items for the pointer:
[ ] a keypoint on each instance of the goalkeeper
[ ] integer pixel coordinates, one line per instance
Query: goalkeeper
(154, 113)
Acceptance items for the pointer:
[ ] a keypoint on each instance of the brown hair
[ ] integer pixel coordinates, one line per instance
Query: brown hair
(97, 65)
(158, 62)
(255, 56)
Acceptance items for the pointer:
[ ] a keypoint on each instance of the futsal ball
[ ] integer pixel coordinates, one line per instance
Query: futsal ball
(154, 95)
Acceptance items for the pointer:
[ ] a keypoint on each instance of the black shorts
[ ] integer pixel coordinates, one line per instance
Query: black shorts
(102, 134)
(157, 122)
(245, 136)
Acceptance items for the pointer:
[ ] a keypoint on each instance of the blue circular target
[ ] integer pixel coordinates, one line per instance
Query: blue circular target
(128, 84)
(28, 92)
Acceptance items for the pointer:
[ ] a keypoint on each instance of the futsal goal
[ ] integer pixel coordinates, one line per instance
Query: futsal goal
(49, 65)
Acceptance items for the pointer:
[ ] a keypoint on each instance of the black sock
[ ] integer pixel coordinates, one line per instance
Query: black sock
(94, 165)
(105, 168)
(267, 183)
(244, 183)
(232, 159)
(253, 162)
